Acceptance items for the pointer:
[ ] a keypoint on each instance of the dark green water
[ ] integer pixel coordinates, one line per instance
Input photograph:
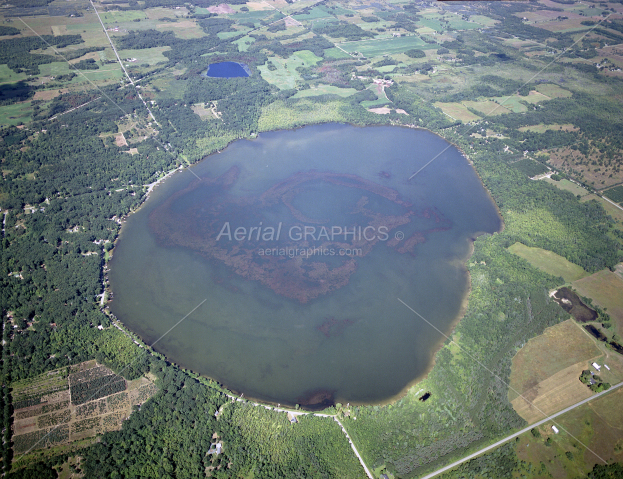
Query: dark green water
(305, 329)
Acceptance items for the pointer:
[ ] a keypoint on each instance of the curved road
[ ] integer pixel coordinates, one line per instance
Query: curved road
(513, 436)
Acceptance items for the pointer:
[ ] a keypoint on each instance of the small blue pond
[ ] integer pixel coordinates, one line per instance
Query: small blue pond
(227, 70)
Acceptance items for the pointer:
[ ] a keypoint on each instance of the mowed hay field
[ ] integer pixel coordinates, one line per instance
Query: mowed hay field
(605, 288)
(487, 107)
(549, 262)
(546, 370)
(458, 111)
(375, 48)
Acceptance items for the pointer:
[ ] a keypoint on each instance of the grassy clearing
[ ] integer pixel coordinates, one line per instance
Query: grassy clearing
(487, 107)
(326, 90)
(375, 48)
(285, 75)
(307, 57)
(512, 103)
(185, 28)
(535, 97)
(553, 91)
(102, 75)
(244, 43)
(482, 20)
(16, 113)
(118, 16)
(151, 56)
(541, 128)
(458, 111)
(549, 262)
(546, 370)
(457, 24)
(605, 288)
(55, 69)
(335, 54)
(316, 12)
(9, 76)
(568, 186)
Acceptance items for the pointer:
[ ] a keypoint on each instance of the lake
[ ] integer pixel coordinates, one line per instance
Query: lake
(227, 70)
(297, 246)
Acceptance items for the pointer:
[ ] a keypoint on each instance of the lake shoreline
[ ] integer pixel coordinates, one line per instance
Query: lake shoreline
(448, 331)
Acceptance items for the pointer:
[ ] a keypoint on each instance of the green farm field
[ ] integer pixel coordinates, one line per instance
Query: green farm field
(122, 16)
(335, 54)
(146, 55)
(325, 90)
(375, 48)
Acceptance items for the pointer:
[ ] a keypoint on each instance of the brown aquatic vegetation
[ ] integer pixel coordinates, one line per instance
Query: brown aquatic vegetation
(303, 267)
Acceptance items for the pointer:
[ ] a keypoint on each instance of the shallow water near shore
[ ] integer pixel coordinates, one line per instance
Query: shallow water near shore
(284, 320)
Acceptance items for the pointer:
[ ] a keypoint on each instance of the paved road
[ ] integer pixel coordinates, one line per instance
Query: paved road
(513, 436)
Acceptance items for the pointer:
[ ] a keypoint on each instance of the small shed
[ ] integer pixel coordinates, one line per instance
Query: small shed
(555, 429)
(596, 366)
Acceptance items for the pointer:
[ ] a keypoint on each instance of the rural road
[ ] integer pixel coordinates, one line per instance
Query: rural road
(512, 436)
(120, 62)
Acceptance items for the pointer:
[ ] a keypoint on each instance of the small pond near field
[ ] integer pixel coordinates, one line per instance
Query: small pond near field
(227, 70)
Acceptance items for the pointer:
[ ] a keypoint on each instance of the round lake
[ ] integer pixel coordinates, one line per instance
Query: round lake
(287, 254)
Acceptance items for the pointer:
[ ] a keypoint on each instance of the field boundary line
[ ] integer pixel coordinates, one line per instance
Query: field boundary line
(519, 433)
